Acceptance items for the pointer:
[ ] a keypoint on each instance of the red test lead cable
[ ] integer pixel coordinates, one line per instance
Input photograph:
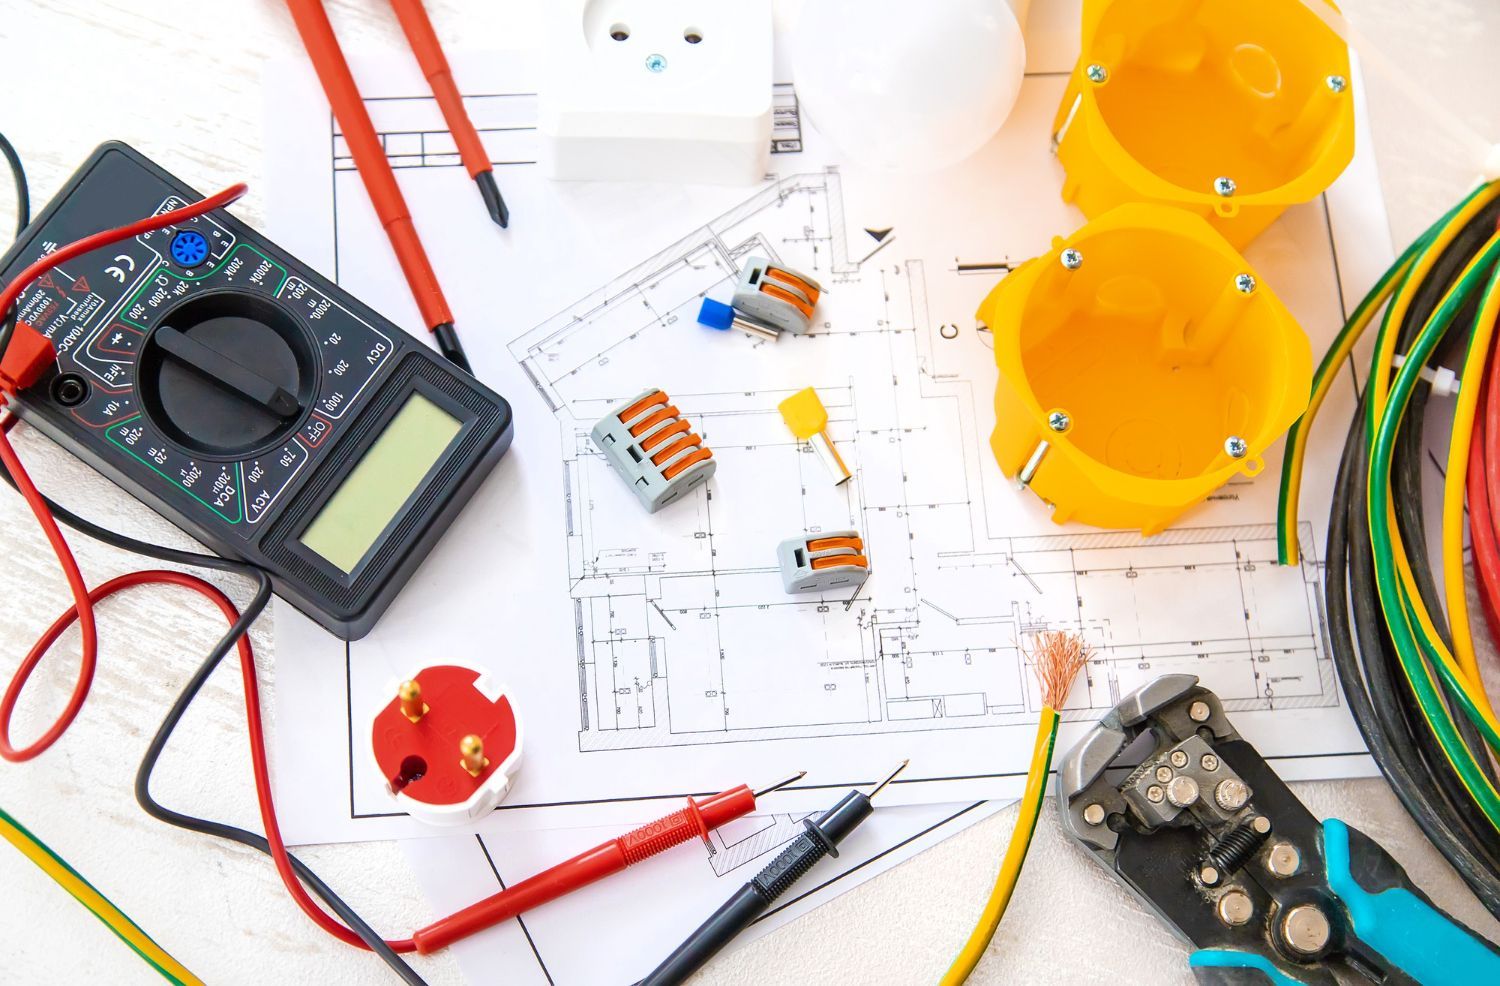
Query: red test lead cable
(597, 863)
(27, 355)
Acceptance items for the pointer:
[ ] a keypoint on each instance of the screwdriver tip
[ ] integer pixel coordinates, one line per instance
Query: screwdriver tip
(493, 200)
(781, 784)
(890, 777)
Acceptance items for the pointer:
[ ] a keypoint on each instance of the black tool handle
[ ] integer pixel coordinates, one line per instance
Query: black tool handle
(736, 914)
(818, 839)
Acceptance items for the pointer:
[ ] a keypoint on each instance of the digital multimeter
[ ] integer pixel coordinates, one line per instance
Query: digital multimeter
(245, 398)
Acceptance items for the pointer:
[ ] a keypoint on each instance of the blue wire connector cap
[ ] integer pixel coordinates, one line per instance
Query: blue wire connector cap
(715, 314)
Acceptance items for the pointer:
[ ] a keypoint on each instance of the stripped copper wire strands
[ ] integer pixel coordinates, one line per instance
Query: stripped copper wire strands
(1056, 658)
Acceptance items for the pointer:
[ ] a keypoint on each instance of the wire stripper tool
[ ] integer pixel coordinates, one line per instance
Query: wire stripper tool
(1206, 835)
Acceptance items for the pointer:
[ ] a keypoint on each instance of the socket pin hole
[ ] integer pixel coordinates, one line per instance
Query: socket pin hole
(692, 35)
(619, 32)
(413, 768)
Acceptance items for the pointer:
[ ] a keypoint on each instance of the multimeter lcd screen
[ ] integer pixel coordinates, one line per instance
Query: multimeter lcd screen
(376, 488)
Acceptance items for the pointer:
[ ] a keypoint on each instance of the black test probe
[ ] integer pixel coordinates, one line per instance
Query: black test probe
(820, 837)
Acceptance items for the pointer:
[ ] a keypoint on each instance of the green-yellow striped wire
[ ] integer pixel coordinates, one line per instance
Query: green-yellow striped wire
(1415, 647)
(115, 919)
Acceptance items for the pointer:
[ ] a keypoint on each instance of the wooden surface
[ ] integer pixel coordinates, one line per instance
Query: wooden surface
(180, 80)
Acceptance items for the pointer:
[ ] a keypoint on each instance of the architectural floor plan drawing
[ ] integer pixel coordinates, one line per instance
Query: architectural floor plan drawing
(656, 656)
(684, 634)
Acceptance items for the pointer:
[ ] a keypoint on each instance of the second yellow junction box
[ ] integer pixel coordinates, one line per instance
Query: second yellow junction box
(1143, 364)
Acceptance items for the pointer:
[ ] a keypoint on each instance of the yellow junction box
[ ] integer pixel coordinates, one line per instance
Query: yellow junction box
(1231, 109)
(1142, 365)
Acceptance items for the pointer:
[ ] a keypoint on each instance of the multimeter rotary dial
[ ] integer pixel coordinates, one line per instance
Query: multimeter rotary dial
(228, 373)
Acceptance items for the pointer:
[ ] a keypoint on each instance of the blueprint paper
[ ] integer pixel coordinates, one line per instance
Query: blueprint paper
(657, 656)
(541, 947)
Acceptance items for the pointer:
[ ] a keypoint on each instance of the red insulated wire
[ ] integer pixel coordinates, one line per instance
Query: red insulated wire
(253, 715)
(28, 490)
(84, 599)
(1481, 518)
(82, 606)
(1484, 475)
(268, 808)
(1489, 468)
(105, 237)
(1483, 482)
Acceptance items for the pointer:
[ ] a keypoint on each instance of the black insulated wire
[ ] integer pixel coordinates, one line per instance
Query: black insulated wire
(23, 189)
(1372, 677)
(248, 615)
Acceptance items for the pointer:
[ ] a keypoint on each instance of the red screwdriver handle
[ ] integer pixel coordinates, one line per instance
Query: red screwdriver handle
(597, 863)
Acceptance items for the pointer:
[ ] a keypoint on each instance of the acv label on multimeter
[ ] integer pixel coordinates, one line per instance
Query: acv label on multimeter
(269, 414)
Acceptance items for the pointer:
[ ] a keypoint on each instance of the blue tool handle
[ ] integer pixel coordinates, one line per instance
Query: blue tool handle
(1225, 967)
(1390, 916)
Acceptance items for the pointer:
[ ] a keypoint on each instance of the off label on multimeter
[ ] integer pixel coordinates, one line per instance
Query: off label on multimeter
(254, 404)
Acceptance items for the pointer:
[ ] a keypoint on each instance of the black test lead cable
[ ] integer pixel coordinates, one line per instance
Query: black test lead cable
(23, 190)
(819, 838)
(248, 615)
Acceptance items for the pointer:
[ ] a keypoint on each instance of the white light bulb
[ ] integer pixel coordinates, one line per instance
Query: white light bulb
(908, 86)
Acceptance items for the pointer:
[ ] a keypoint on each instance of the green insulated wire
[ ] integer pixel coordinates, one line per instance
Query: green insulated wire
(1413, 654)
(1340, 350)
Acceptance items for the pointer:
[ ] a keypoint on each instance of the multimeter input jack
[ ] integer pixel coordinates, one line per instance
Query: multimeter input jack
(70, 390)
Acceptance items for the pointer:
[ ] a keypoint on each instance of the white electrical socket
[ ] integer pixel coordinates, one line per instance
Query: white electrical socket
(656, 90)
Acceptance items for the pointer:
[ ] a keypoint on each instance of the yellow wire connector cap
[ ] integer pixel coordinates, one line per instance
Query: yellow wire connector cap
(806, 416)
(1143, 363)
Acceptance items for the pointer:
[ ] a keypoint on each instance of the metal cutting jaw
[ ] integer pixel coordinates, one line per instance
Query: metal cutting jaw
(1168, 797)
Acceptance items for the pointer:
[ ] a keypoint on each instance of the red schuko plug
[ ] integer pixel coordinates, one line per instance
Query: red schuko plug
(447, 744)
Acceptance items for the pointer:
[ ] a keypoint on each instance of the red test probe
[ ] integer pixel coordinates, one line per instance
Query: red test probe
(596, 864)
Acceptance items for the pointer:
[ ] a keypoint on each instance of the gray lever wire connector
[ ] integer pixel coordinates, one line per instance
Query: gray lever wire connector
(776, 296)
(815, 562)
(653, 449)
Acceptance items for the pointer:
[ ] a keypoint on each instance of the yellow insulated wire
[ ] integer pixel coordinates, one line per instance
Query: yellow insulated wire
(1379, 392)
(1409, 274)
(1454, 481)
(1015, 854)
(115, 919)
(1315, 403)
(1057, 657)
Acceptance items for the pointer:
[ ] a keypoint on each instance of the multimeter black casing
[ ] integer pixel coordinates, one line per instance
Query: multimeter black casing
(251, 498)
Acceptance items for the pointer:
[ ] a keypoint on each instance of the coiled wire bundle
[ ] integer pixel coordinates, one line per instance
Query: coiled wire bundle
(1401, 635)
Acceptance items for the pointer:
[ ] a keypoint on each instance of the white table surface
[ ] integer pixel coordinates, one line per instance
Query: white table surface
(180, 80)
